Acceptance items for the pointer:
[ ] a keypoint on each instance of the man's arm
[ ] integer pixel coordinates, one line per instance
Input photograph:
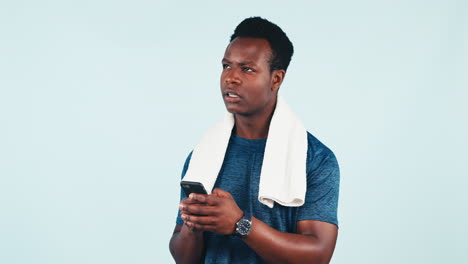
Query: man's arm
(314, 241)
(187, 244)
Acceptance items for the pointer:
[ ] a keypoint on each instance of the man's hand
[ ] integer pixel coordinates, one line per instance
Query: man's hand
(185, 203)
(217, 212)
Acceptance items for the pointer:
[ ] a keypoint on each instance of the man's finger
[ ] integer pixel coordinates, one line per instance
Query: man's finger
(201, 220)
(189, 200)
(221, 193)
(199, 227)
(199, 209)
(204, 198)
(198, 197)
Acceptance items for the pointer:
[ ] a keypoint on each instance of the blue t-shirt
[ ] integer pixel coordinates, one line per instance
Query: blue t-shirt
(240, 175)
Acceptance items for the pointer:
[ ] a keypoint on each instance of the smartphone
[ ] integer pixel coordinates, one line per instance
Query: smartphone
(192, 187)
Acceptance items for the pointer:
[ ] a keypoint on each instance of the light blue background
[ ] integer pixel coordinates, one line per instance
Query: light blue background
(101, 101)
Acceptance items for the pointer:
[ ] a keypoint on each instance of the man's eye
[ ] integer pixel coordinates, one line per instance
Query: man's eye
(226, 66)
(247, 69)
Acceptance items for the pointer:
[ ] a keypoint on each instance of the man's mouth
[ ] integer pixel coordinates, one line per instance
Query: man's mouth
(231, 98)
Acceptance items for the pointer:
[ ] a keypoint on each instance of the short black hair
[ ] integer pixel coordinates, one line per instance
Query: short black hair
(281, 47)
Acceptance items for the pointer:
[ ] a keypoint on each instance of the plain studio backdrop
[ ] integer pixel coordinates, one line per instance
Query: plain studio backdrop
(101, 101)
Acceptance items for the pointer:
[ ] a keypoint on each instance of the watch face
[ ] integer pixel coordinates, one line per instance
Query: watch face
(243, 227)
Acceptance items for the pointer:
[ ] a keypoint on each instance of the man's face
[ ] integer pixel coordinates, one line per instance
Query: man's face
(246, 80)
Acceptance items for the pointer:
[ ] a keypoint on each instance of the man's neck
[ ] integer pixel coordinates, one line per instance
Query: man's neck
(254, 126)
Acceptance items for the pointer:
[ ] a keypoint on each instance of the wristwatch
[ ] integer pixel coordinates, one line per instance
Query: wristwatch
(244, 225)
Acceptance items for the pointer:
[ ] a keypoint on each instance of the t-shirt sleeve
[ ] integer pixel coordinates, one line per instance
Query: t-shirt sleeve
(323, 180)
(179, 220)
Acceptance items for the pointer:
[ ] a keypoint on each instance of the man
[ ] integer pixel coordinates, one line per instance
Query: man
(254, 66)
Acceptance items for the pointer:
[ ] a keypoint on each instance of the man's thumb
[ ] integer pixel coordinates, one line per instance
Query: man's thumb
(221, 193)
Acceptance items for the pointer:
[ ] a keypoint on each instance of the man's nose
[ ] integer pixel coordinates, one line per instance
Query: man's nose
(232, 77)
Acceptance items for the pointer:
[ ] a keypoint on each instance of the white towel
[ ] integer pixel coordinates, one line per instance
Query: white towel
(283, 175)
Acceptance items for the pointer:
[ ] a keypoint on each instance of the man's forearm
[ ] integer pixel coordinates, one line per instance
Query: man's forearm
(187, 246)
(279, 247)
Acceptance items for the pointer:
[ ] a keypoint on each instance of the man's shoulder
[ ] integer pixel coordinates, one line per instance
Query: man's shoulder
(316, 147)
(317, 152)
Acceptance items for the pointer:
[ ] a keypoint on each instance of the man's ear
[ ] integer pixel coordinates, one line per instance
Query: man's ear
(277, 79)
